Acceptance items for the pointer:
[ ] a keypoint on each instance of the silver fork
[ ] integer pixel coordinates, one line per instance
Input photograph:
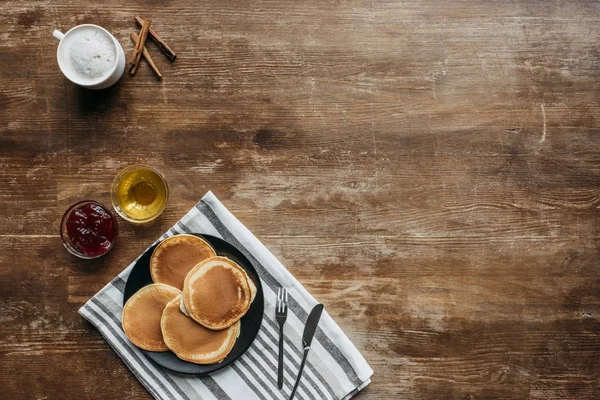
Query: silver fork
(281, 316)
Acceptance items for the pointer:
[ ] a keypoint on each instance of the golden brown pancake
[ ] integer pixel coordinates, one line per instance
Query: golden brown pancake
(216, 293)
(191, 341)
(142, 314)
(174, 257)
(253, 292)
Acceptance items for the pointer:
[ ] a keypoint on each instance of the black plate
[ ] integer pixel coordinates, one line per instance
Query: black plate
(140, 277)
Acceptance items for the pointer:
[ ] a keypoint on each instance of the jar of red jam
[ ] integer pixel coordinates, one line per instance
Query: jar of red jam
(88, 229)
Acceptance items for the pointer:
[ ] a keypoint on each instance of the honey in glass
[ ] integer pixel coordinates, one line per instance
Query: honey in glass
(139, 193)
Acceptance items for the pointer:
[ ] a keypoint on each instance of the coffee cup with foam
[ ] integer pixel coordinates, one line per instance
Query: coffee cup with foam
(89, 56)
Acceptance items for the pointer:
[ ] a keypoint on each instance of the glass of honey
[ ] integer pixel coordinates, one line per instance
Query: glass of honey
(139, 193)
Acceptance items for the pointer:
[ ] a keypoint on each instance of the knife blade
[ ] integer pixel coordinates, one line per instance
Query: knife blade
(311, 325)
(309, 333)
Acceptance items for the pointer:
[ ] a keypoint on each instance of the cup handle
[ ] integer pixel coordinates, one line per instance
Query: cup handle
(58, 34)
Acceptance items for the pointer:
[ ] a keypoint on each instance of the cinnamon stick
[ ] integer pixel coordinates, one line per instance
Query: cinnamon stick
(147, 56)
(137, 50)
(158, 40)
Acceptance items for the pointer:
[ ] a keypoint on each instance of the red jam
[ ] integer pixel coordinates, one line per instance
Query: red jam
(91, 229)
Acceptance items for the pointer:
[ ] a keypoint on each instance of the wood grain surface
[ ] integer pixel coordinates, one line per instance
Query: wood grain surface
(429, 170)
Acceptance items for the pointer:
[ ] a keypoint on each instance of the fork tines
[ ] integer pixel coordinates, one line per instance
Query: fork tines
(282, 298)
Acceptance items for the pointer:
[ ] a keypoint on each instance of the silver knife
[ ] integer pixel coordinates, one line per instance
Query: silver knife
(309, 332)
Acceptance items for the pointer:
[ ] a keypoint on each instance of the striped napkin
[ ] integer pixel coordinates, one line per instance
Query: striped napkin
(335, 369)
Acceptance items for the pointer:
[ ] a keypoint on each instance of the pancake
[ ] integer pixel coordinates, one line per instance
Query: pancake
(142, 314)
(191, 341)
(174, 257)
(253, 292)
(216, 293)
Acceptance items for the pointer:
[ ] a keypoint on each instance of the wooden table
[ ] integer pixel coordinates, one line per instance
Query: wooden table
(429, 170)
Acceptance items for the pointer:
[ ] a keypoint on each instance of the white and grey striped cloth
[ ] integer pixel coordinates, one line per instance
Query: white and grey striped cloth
(335, 368)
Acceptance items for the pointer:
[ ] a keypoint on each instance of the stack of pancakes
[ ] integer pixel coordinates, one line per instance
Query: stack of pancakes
(195, 304)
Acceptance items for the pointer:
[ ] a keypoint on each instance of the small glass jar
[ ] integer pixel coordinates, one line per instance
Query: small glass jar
(88, 229)
(139, 193)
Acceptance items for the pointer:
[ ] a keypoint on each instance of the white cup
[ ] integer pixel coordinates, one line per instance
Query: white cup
(107, 79)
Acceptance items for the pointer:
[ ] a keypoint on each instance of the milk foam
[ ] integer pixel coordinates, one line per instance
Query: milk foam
(89, 54)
